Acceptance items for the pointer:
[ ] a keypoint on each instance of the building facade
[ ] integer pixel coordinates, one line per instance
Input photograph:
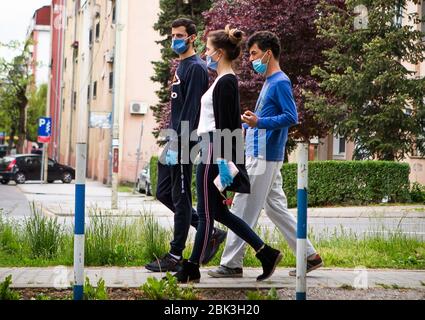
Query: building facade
(39, 33)
(89, 81)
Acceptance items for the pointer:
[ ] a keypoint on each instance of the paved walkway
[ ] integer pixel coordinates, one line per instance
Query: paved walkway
(62, 277)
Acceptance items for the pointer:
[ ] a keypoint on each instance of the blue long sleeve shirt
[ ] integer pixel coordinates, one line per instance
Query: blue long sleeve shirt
(277, 112)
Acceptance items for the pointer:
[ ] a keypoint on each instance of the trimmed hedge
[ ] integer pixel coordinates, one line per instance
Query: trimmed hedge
(350, 182)
(153, 167)
(333, 183)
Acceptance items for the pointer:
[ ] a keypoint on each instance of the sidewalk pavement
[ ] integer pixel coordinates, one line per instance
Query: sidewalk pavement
(115, 277)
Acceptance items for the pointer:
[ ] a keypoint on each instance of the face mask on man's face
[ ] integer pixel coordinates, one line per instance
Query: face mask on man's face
(259, 66)
(179, 46)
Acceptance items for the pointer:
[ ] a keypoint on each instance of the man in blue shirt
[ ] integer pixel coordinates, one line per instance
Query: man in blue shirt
(266, 137)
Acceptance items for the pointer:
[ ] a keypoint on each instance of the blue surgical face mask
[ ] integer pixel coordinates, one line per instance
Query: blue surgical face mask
(179, 46)
(211, 63)
(259, 66)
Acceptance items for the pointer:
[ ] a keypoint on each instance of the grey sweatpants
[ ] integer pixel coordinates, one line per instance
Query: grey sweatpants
(267, 193)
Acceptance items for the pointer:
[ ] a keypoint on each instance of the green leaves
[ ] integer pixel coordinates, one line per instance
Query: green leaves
(370, 74)
(95, 293)
(166, 289)
(5, 292)
(36, 109)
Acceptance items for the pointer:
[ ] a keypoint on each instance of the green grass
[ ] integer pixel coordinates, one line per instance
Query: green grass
(126, 187)
(40, 242)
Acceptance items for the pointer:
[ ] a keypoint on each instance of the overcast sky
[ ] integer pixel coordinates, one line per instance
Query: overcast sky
(15, 17)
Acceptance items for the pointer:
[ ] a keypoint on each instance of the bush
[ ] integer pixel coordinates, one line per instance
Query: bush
(417, 193)
(350, 182)
(340, 182)
(153, 174)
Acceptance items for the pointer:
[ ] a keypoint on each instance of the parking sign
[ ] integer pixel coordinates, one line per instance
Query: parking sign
(44, 130)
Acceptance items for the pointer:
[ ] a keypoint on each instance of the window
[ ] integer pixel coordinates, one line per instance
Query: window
(98, 31)
(74, 100)
(111, 80)
(339, 147)
(90, 37)
(88, 92)
(64, 63)
(114, 12)
(398, 19)
(94, 90)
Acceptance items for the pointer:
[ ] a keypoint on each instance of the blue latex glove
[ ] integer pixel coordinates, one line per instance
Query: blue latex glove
(226, 178)
(171, 157)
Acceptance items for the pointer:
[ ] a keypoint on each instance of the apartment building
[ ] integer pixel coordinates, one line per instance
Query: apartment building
(89, 82)
(39, 33)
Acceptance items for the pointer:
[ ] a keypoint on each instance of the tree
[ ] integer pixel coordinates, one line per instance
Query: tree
(293, 22)
(36, 108)
(171, 10)
(369, 91)
(14, 80)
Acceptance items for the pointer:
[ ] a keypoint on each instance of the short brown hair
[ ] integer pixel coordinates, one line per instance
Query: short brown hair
(189, 25)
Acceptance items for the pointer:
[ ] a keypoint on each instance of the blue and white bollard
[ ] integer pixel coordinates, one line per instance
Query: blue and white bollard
(301, 287)
(80, 199)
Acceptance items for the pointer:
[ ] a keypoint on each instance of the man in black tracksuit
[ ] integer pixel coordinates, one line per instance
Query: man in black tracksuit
(175, 167)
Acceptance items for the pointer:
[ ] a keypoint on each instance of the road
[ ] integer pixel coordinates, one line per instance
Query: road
(13, 201)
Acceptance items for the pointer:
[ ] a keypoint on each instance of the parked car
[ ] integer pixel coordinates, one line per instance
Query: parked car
(3, 150)
(26, 167)
(144, 181)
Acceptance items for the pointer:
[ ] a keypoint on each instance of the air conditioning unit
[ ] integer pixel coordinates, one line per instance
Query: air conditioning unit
(109, 56)
(138, 107)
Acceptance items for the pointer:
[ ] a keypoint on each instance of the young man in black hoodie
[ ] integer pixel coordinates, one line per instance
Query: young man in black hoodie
(174, 173)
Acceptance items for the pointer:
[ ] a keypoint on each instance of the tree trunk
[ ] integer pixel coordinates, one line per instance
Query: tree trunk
(11, 138)
(23, 101)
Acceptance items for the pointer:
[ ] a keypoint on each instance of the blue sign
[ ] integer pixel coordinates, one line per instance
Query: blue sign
(44, 129)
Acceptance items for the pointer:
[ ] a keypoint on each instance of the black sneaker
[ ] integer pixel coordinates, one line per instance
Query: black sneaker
(165, 264)
(217, 238)
(312, 264)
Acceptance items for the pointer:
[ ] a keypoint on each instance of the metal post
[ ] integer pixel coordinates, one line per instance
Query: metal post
(80, 196)
(138, 158)
(302, 222)
(81, 157)
(116, 104)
